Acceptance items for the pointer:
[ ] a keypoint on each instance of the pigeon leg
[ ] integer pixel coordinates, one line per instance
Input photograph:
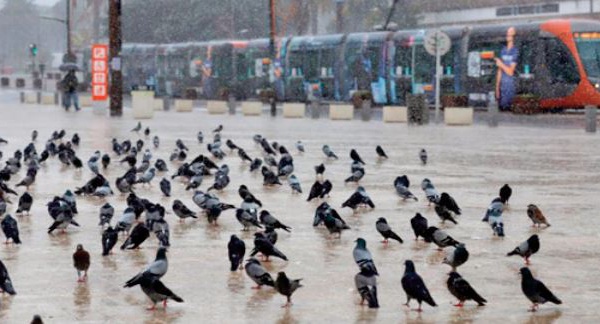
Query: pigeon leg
(385, 241)
(533, 308)
(257, 287)
(151, 307)
(407, 302)
(6, 242)
(165, 303)
(527, 261)
(459, 304)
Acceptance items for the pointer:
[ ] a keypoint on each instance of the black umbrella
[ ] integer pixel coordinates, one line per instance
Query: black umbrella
(68, 67)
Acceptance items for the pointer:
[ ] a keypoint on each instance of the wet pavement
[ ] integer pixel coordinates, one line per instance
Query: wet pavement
(556, 169)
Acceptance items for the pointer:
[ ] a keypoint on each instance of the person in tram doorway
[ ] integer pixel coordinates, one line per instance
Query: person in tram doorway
(505, 76)
(70, 84)
(207, 71)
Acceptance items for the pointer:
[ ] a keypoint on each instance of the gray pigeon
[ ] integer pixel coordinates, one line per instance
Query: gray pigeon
(126, 220)
(258, 274)
(165, 187)
(430, 192)
(328, 152)
(363, 258)
(158, 292)
(154, 270)
(182, 211)
(386, 231)
(300, 146)
(367, 288)
(294, 184)
(527, 248)
(25, 202)
(401, 185)
(107, 211)
(439, 237)
(459, 256)
(423, 156)
(269, 220)
(247, 218)
(147, 176)
(493, 216)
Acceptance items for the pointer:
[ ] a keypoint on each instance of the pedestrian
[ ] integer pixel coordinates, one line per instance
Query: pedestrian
(69, 85)
(505, 77)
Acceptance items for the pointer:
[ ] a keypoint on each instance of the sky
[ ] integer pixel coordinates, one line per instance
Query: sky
(45, 2)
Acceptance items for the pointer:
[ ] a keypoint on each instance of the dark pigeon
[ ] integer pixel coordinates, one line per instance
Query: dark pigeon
(236, 250)
(286, 287)
(266, 248)
(536, 291)
(10, 229)
(380, 152)
(505, 193)
(386, 231)
(419, 225)
(414, 287)
(109, 240)
(462, 290)
(138, 235)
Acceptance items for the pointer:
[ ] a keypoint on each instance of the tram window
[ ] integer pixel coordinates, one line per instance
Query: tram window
(373, 54)
(311, 66)
(403, 61)
(504, 11)
(447, 61)
(327, 59)
(560, 62)
(424, 66)
(526, 59)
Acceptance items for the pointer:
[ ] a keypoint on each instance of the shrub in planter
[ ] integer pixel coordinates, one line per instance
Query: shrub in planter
(526, 104)
(359, 96)
(454, 100)
(223, 93)
(266, 95)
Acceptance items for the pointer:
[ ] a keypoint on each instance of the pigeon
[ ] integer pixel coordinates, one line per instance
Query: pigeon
(536, 216)
(154, 270)
(386, 231)
(137, 236)
(37, 319)
(81, 262)
(71, 201)
(401, 184)
(270, 234)
(357, 199)
(505, 193)
(315, 191)
(285, 167)
(161, 165)
(329, 153)
(25, 202)
(147, 176)
(5, 282)
(182, 211)
(320, 169)
(156, 141)
(335, 224)
(75, 139)
(137, 128)
(444, 214)
(462, 290)
(459, 256)
(286, 287)
(269, 220)
(105, 160)
(423, 156)
(200, 137)
(493, 216)
(243, 155)
(294, 184)
(535, 290)
(165, 187)
(221, 182)
(10, 229)
(126, 220)
(327, 186)
(414, 287)
(246, 194)
(231, 145)
(363, 258)
(158, 292)
(439, 237)
(269, 178)
(62, 215)
(258, 274)
(358, 172)
(256, 163)
(247, 218)
(109, 240)
(449, 203)
(34, 135)
(367, 288)
(419, 225)
(236, 250)
(218, 129)
(266, 248)
(430, 192)
(355, 157)
(527, 248)
(147, 131)
(300, 146)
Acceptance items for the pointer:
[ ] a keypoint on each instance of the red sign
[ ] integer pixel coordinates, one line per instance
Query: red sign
(99, 72)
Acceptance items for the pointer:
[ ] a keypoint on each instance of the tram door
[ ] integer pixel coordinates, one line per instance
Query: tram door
(558, 76)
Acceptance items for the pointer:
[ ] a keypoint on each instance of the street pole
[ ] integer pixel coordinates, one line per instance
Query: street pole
(339, 10)
(116, 78)
(272, 53)
(437, 76)
(68, 23)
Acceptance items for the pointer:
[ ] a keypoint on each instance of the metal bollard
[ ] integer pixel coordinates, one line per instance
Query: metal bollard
(165, 103)
(366, 110)
(231, 104)
(591, 114)
(492, 110)
(22, 97)
(38, 97)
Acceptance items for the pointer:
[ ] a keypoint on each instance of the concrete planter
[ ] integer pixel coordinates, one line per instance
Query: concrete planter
(252, 108)
(395, 114)
(85, 100)
(216, 107)
(458, 115)
(184, 105)
(157, 103)
(341, 112)
(142, 103)
(30, 97)
(48, 98)
(294, 110)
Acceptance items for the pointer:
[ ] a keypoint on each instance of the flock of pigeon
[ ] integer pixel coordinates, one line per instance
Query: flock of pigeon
(141, 218)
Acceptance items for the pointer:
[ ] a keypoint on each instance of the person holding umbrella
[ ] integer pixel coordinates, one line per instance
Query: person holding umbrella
(69, 86)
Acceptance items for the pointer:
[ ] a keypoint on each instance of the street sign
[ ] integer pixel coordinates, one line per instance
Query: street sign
(437, 39)
(99, 72)
(437, 43)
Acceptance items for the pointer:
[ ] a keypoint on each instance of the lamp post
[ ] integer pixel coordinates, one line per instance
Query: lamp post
(272, 52)
(339, 16)
(68, 57)
(114, 55)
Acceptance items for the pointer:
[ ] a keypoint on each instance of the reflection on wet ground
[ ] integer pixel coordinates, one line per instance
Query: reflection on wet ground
(557, 169)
